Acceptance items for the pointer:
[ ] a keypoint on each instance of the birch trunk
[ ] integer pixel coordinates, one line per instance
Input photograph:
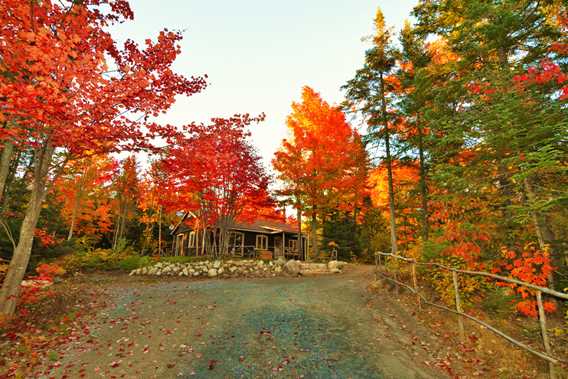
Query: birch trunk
(116, 230)
(20, 259)
(300, 244)
(203, 248)
(5, 160)
(74, 215)
(315, 247)
(160, 231)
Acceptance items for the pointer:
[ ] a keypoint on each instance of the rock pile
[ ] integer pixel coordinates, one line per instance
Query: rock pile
(229, 268)
(238, 268)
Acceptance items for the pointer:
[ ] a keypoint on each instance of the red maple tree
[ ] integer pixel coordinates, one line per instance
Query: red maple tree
(213, 171)
(68, 89)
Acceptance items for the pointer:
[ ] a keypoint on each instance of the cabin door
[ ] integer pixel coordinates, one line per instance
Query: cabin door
(278, 247)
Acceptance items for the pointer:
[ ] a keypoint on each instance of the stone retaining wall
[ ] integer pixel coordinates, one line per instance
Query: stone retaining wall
(239, 268)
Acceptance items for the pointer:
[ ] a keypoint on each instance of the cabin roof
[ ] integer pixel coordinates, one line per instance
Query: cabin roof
(265, 226)
(258, 225)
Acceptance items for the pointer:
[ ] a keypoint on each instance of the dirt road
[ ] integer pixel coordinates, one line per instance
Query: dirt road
(311, 327)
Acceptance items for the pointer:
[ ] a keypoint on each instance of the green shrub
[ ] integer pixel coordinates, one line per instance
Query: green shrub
(498, 301)
(133, 262)
(104, 260)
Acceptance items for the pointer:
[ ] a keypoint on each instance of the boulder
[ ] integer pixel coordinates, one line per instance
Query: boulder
(212, 273)
(314, 268)
(293, 267)
(216, 264)
(333, 265)
(280, 261)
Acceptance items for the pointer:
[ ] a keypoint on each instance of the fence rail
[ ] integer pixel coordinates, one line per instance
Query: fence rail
(547, 355)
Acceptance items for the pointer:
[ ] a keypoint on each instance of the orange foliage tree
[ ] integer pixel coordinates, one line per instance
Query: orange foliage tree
(322, 165)
(83, 190)
(405, 179)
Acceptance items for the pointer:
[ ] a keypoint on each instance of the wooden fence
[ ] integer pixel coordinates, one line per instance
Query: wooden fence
(546, 355)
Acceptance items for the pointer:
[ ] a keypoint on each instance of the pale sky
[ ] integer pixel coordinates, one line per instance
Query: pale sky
(259, 53)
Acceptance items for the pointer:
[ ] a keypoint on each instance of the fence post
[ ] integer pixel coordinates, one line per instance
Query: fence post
(415, 283)
(545, 341)
(377, 258)
(458, 305)
(395, 274)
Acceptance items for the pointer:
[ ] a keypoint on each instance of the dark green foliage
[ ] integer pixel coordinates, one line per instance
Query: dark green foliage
(373, 234)
(498, 301)
(340, 233)
(356, 240)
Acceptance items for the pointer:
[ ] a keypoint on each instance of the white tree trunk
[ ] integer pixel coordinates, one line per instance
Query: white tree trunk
(7, 152)
(20, 259)
(315, 248)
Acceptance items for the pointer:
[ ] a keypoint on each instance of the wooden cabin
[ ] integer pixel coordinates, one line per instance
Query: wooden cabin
(265, 239)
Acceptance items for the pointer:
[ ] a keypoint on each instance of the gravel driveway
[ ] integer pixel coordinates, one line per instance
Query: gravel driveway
(311, 327)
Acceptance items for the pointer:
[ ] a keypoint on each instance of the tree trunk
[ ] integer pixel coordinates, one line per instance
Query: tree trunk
(74, 215)
(123, 226)
(160, 231)
(223, 243)
(117, 229)
(206, 246)
(315, 248)
(393, 238)
(21, 257)
(214, 243)
(5, 160)
(300, 244)
(120, 223)
(12, 171)
(423, 187)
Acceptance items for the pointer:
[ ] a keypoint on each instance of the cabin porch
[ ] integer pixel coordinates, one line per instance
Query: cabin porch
(245, 244)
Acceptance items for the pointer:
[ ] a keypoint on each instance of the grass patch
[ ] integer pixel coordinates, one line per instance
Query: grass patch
(52, 356)
(104, 260)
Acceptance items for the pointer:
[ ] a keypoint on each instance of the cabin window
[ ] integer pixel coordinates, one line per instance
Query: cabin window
(191, 240)
(261, 242)
(293, 245)
(236, 243)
